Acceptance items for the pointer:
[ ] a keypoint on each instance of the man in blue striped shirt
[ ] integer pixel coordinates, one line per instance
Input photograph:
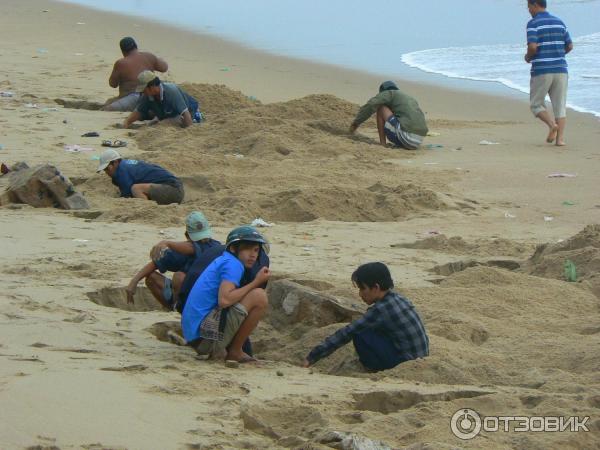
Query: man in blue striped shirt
(548, 42)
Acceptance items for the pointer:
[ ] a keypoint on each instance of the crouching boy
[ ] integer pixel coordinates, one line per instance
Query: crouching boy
(176, 257)
(389, 333)
(217, 289)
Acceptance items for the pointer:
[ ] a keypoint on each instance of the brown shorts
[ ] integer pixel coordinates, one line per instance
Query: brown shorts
(165, 194)
(236, 315)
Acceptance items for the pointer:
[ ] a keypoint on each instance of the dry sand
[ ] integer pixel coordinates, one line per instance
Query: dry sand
(76, 373)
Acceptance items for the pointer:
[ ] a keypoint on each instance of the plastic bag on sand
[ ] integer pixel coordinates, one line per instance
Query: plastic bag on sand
(259, 222)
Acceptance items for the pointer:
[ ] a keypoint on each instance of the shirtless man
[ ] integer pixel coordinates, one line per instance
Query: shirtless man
(125, 73)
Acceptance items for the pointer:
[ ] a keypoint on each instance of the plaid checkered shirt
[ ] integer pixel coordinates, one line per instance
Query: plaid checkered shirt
(394, 317)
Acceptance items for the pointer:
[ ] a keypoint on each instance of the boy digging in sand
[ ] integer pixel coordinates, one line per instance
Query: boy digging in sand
(218, 288)
(174, 258)
(389, 333)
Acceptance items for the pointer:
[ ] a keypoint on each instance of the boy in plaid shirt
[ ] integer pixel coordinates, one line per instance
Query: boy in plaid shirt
(389, 333)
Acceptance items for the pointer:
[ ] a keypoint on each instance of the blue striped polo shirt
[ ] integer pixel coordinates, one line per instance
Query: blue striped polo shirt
(551, 35)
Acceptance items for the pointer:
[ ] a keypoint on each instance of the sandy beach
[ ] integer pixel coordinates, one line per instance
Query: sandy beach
(475, 235)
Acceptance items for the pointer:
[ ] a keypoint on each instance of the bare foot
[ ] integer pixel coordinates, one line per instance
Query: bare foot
(560, 143)
(240, 357)
(552, 135)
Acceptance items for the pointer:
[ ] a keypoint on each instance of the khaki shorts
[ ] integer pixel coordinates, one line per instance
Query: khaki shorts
(127, 103)
(236, 315)
(554, 85)
(165, 194)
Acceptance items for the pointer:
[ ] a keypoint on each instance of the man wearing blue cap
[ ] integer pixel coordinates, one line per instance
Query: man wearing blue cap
(399, 118)
(198, 233)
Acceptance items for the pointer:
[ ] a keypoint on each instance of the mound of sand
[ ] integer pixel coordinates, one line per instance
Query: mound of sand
(457, 245)
(469, 341)
(583, 250)
(288, 162)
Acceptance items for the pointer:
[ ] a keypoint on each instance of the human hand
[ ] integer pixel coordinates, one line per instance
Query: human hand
(263, 275)
(130, 290)
(305, 363)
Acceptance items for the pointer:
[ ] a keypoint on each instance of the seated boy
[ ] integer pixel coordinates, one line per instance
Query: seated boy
(175, 258)
(219, 288)
(389, 333)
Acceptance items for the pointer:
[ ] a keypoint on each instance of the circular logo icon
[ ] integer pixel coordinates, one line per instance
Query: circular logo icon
(465, 424)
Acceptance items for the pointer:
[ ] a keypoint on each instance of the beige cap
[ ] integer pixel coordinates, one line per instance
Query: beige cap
(107, 157)
(144, 78)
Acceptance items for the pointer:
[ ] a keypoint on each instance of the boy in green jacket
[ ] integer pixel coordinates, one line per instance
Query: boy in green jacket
(399, 118)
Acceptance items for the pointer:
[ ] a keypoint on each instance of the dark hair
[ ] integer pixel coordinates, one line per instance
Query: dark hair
(388, 86)
(155, 82)
(541, 3)
(370, 274)
(127, 44)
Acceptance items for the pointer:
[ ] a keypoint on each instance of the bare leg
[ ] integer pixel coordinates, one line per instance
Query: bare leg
(561, 123)
(156, 283)
(141, 190)
(552, 126)
(383, 114)
(256, 303)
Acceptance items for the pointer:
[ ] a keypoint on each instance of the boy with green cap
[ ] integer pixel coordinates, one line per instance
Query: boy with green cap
(220, 289)
(175, 258)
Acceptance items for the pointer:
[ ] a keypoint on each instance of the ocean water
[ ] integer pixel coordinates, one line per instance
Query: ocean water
(504, 64)
(434, 41)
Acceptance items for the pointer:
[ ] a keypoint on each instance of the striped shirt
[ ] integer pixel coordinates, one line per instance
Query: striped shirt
(394, 317)
(551, 35)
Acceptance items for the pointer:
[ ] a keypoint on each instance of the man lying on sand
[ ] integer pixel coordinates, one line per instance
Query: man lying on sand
(198, 234)
(399, 117)
(218, 288)
(162, 101)
(125, 74)
(140, 179)
(389, 333)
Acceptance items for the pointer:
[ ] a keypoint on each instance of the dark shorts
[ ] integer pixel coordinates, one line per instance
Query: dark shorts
(399, 137)
(377, 352)
(165, 194)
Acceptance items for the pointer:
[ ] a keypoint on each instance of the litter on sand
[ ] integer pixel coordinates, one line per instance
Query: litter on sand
(570, 271)
(31, 105)
(509, 215)
(562, 175)
(484, 142)
(568, 203)
(433, 134)
(115, 144)
(548, 218)
(91, 134)
(6, 94)
(75, 148)
(431, 164)
(259, 222)
(434, 146)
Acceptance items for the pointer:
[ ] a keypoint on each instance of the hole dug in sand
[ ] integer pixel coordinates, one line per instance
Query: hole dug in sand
(387, 402)
(117, 298)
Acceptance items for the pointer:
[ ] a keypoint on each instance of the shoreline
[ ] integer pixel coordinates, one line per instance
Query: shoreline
(409, 74)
